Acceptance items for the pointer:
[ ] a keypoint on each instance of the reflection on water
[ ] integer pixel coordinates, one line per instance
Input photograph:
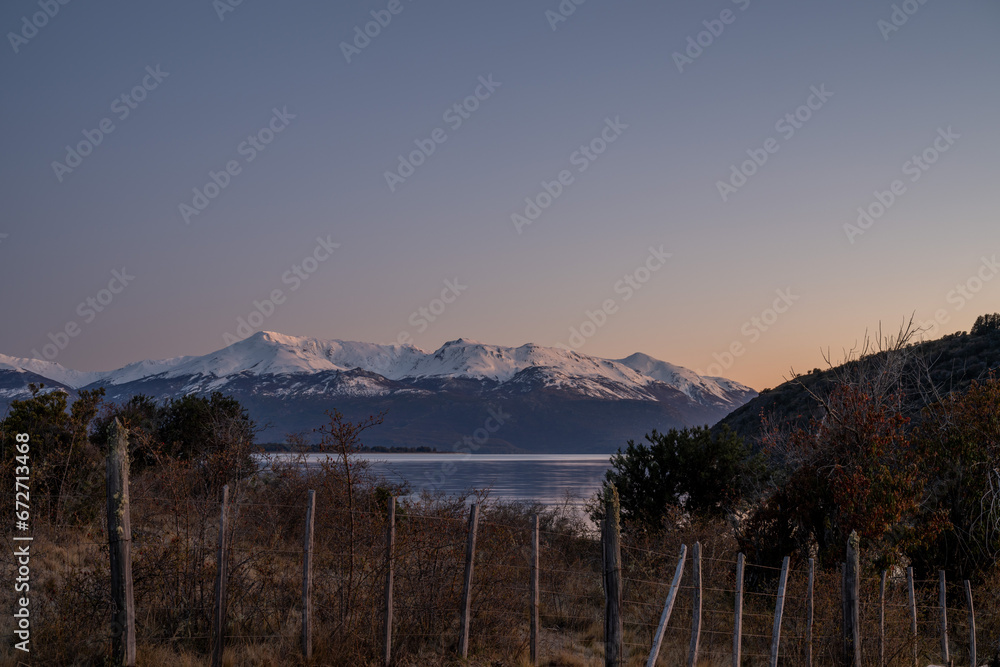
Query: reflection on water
(545, 478)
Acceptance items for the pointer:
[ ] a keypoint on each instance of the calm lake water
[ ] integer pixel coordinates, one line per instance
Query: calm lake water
(546, 478)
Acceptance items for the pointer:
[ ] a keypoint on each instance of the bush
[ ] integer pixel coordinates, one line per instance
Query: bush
(65, 469)
(692, 470)
(214, 434)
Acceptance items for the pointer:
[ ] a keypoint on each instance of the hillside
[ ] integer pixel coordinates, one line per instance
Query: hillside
(948, 364)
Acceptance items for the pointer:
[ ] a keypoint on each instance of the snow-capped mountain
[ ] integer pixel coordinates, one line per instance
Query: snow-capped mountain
(563, 399)
(49, 370)
(689, 382)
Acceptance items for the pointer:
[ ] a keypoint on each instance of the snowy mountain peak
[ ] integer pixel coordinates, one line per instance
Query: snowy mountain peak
(48, 369)
(559, 399)
(273, 337)
(268, 353)
(461, 342)
(682, 378)
(271, 353)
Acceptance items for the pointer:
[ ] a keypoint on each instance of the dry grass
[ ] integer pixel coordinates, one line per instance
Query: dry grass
(174, 570)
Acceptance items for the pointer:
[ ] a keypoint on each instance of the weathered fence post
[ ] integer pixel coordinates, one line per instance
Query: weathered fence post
(120, 547)
(881, 620)
(779, 609)
(470, 558)
(809, 611)
(843, 594)
(219, 614)
(534, 589)
(943, 604)
(614, 632)
(972, 625)
(390, 545)
(852, 591)
(307, 577)
(668, 607)
(912, 599)
(696, 606)
(738, 613)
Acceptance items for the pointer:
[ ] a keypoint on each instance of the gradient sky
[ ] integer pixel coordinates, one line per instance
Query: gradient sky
(656, 185)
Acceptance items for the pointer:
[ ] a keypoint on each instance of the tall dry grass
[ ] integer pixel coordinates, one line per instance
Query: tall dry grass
(175, 522)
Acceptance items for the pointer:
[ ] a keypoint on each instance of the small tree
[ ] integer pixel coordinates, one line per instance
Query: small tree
(213, 435)
(66, 469)
(342, 437)
(691, 470)
(853, 468)
(141, 416)
(960, 442)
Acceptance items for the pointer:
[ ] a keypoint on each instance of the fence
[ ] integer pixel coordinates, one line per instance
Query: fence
(369, 580)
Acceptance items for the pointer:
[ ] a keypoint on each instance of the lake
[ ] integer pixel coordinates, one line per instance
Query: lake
(545, 478)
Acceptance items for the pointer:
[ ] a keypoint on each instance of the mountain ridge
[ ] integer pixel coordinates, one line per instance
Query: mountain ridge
(943, 365)
(289, 381)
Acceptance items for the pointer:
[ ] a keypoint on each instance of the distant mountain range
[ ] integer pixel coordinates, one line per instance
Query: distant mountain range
(548, 399)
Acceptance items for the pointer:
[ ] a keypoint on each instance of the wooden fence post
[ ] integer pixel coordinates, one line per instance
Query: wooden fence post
(843, 595)
(972, 625)
(307, 576)
(120, 548)
(852, 590)
(614, 632)
(219, 615)
(809, 612)
(696, 606)
(881, 619)
(738, 613)
(943, 604)
(779, 608)
(535, 593)
(912, 599)
(390, 545)
(470, 558)
(668, 607)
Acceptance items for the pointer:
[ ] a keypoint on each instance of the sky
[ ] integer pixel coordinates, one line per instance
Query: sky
(736, 187)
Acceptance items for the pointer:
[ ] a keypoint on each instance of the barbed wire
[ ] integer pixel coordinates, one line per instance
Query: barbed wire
(500, 585)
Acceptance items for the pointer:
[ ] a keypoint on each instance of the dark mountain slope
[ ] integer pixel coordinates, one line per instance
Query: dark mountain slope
(945, 365)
